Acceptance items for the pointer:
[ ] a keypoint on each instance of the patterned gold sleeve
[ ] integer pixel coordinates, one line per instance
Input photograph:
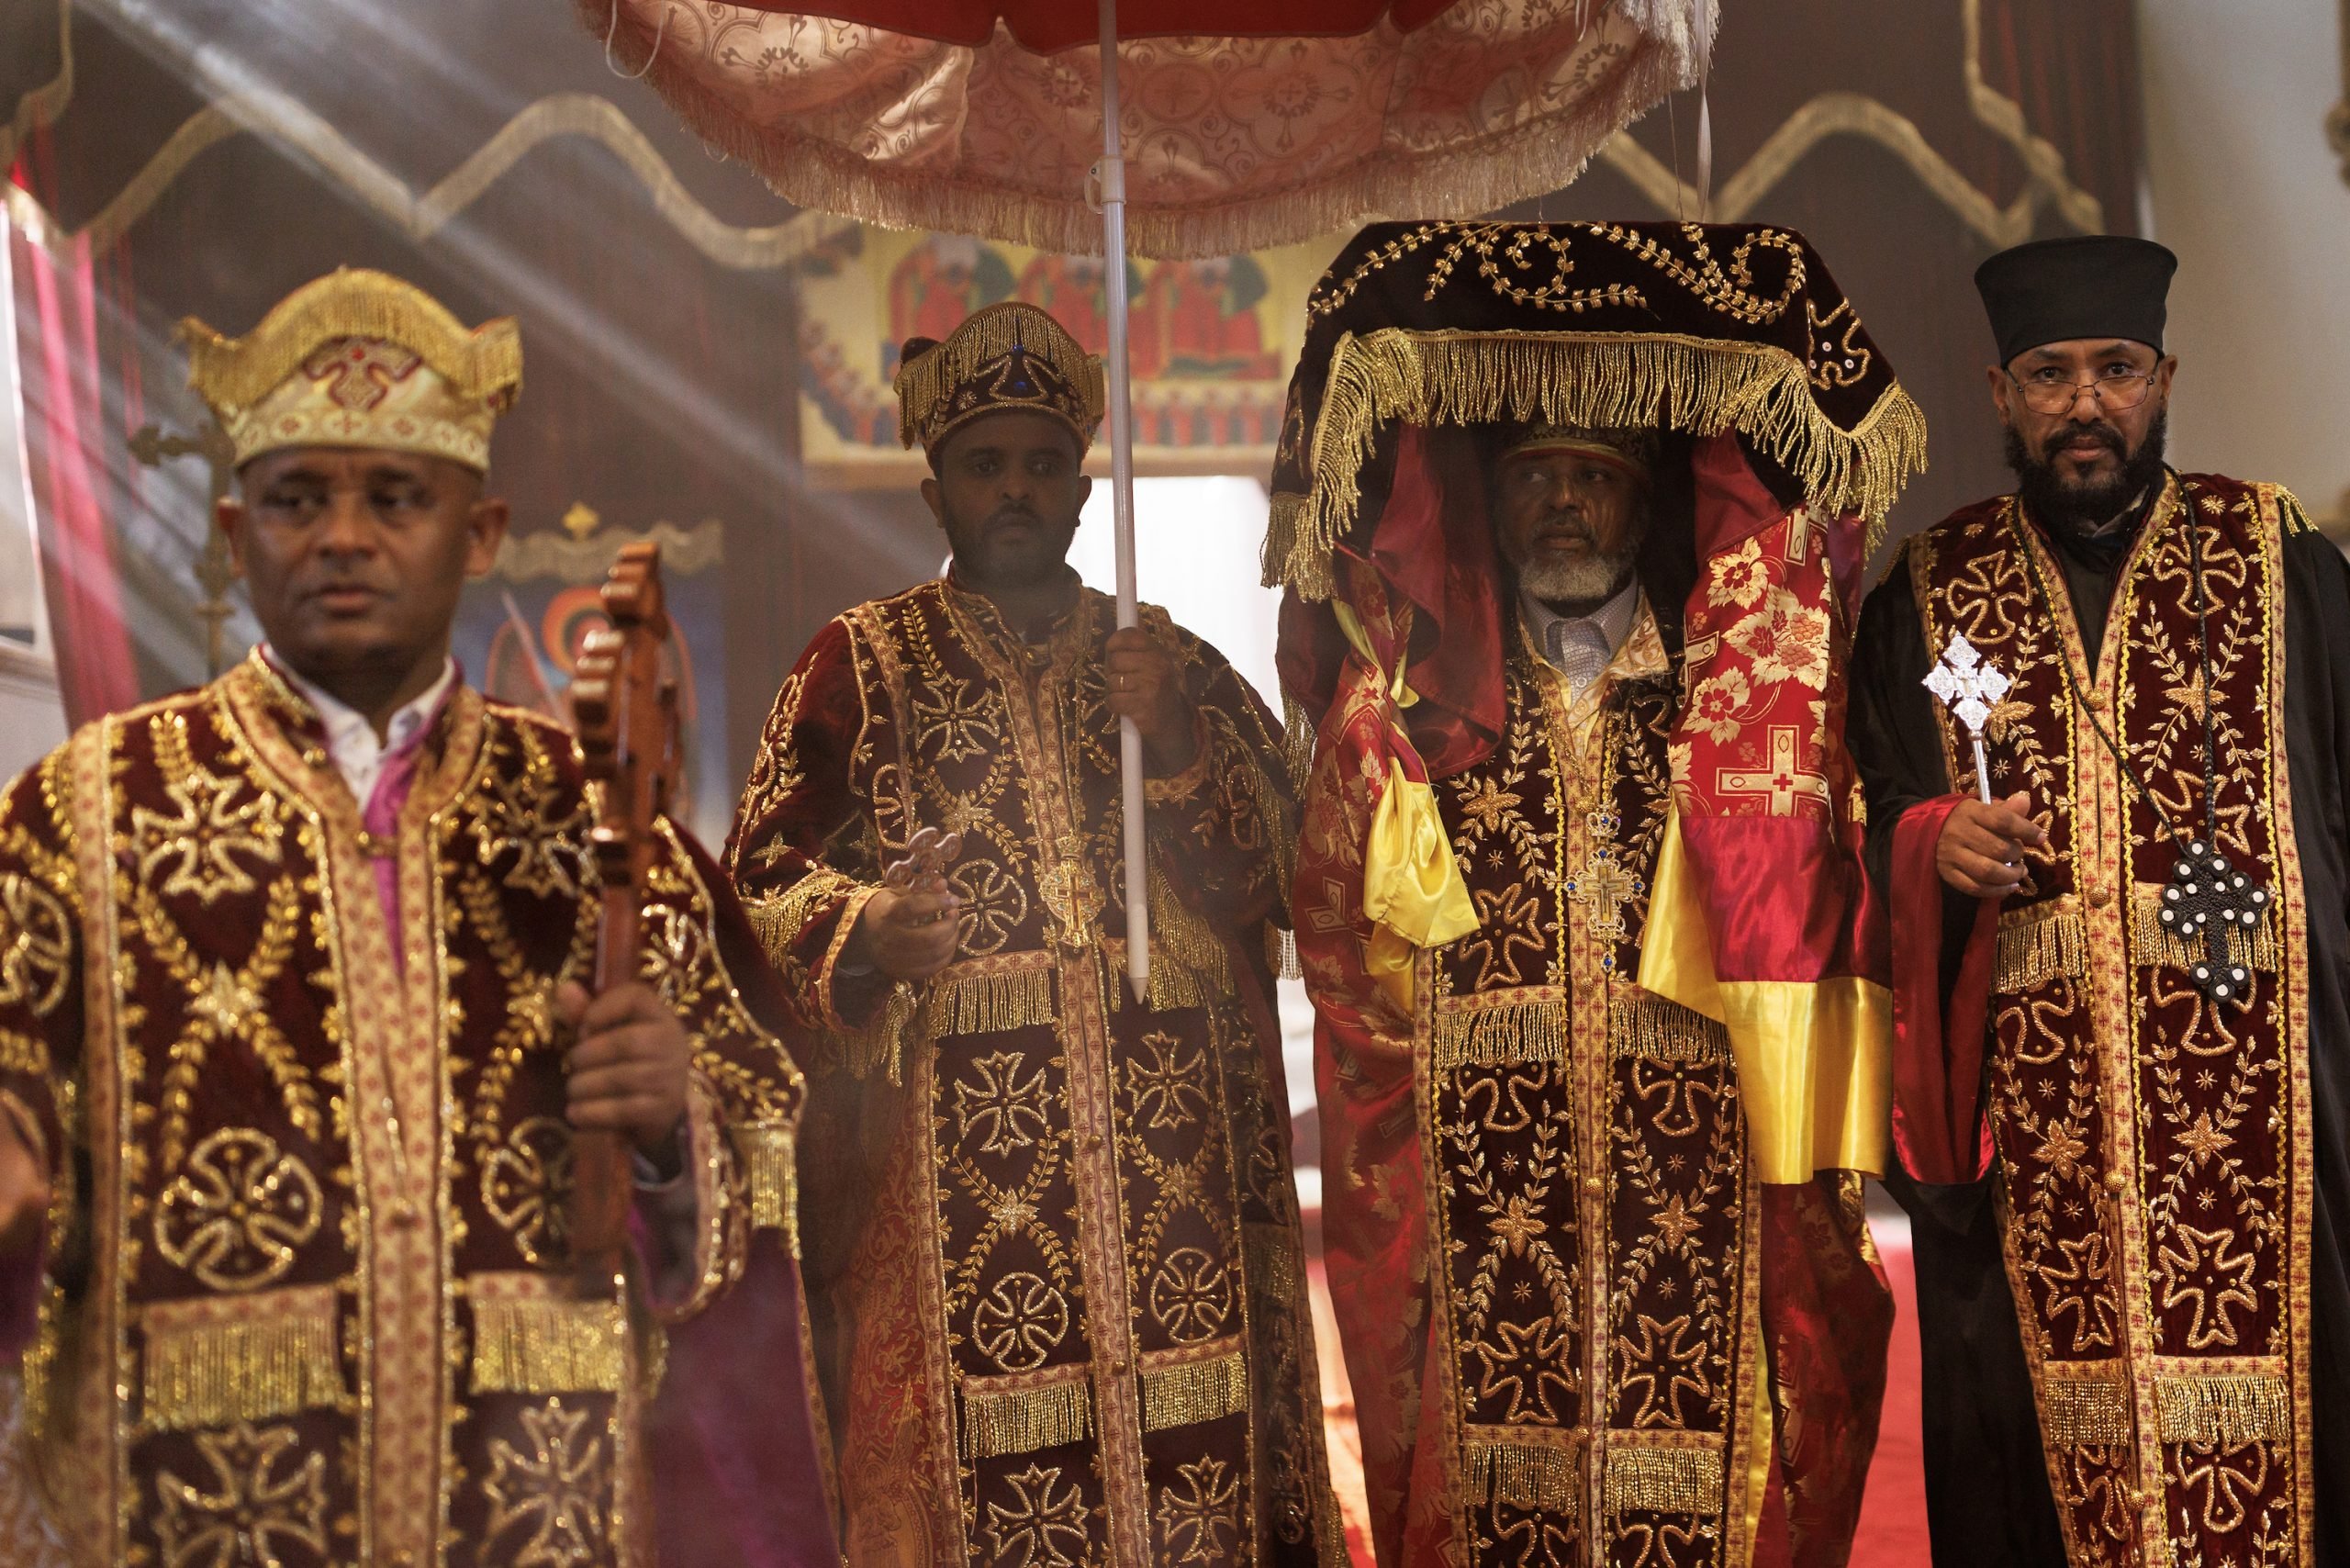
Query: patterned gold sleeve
(742, 1109)
(40, 968)
(800, 853)
(1225, 829)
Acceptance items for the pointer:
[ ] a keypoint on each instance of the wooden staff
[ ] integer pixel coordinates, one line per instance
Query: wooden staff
(627, 715)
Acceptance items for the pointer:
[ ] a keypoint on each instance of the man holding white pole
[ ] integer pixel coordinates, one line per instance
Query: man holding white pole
(1052, 1249)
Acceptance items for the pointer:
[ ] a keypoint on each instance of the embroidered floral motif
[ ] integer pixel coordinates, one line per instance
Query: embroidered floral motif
(552, 1497)
(1019, 1321)
(236, 1216)
(525, 1185)
(217, 820)
(36, 946)
(263, 1497)
(1044, 1526)
(1199, 1516)
(1007, 1108)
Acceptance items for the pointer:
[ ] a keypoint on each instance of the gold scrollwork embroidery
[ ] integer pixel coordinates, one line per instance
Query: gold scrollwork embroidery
(521, 812)
(1199, 1513)
(264, 1494)
(523, 1184)
(36, 946)
(1019, 1321)
(235, 1217)
(553, 1496)
(1045, 1527)
(200, 842)
(1006, 1108)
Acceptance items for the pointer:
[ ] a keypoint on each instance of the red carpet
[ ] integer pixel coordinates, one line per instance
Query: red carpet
(1892, 1512)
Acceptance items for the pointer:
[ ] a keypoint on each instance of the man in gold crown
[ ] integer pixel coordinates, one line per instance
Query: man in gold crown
(1051, 1240)
(295, 1033)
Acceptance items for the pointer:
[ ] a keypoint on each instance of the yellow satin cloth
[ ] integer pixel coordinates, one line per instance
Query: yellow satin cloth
(1411, 889)
(1815, 1057)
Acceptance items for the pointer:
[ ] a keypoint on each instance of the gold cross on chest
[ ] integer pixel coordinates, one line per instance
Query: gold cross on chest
(1783, 781)
(1602, 886)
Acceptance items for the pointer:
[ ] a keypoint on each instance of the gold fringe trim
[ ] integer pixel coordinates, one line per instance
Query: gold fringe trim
(1394, 376)
(990, 1001)
(2085, 1412)
(2151, 944)
(482, 363)
(769, 1153)
(1478, 174)
(986, 336)
(2038, 944)
(777, 921)
(1271, 1253)
(1311, 574)
(1184, 1394)
(1188, 964)
(881, 1043)
(1665, 1480)
(1512, 1026)
(275, 1357)
(1022, 1420)
(1525, 1475)
(549, 1345)
(1661, 1030)
(2229, 1411)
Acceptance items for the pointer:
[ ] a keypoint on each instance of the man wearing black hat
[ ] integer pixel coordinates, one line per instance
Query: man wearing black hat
(2103, 728)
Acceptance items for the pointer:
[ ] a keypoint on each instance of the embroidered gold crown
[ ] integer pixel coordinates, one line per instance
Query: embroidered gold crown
(359, 358)
(1007, 357)
(1633, 448)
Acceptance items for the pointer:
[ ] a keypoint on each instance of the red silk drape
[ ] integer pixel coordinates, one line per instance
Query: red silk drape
(58, 369)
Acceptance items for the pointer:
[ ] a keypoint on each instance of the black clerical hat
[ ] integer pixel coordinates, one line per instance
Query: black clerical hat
(2091, 286)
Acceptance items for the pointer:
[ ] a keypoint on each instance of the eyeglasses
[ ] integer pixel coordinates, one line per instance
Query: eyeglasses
(2050, 391)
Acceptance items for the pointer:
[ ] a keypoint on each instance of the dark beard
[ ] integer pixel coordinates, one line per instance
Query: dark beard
(2078, 512)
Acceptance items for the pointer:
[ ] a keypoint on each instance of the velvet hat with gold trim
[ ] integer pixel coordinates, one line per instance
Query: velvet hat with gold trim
(359, 359)
(1007, 357)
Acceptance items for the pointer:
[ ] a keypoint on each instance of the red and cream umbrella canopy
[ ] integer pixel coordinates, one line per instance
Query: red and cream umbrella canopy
(1247, 123)
(1227, 126)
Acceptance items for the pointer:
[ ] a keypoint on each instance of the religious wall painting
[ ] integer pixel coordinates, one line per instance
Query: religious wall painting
(519, 633)
(1212, 341)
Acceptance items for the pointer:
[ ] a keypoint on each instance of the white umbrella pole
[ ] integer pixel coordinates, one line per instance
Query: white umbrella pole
(1122, 490)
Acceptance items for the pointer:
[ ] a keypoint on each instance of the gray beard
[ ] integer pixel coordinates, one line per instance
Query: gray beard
(1593, 580)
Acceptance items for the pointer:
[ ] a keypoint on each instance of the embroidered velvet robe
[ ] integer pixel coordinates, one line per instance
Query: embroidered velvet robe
(1581, 1331)
(306, 1295)
(2148, 1182)
(1052, 1237)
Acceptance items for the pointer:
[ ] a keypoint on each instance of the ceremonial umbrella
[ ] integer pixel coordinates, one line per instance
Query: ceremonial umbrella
(1251, 124)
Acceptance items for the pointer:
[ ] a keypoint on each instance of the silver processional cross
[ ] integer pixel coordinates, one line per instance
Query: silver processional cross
(1972, 686)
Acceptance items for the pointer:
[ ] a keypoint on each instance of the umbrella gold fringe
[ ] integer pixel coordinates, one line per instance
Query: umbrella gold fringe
(1525, 158)
(1692, 385)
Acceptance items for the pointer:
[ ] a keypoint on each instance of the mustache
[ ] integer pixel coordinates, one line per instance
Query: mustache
(2104, 435)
